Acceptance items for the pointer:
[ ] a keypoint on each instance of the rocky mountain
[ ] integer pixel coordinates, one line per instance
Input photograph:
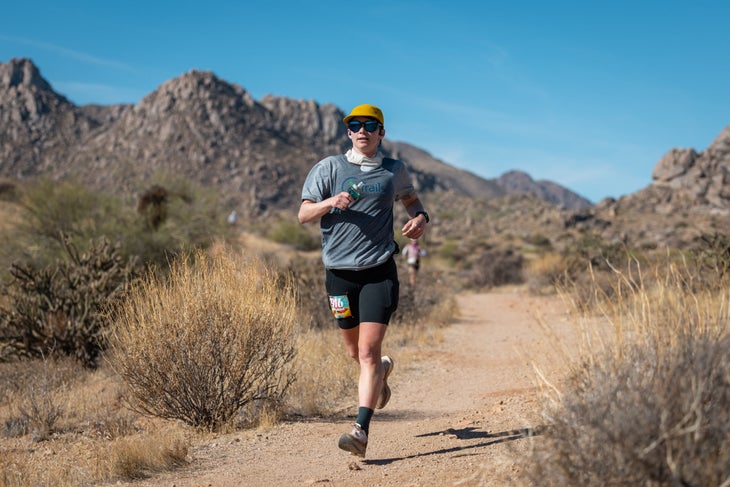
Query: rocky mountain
(37, 125)
(255, 152)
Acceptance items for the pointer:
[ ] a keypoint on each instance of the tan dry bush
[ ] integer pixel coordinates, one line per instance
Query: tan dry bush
(136, 457)
(219, 334)
(649, 405)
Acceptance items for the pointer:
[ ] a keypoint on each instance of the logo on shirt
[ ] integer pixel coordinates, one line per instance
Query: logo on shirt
(365, 188)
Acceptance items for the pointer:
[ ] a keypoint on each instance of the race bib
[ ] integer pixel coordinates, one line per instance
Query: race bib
(340, 306)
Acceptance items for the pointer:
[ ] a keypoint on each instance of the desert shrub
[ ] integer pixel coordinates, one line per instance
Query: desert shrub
(39, 415)
(218, 334)
(545, 272)
(711, 256)
(292, 233)
(539, 241)
(429, 301)
(449, 251)
(652, 405)
(59, 309)
(67, 208)
(308, 276)
(152, 205)
(8, 190)
(496, 267)
(591, 266)
(50, 214)
(172, 216)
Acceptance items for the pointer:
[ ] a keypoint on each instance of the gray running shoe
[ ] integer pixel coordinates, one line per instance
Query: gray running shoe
(388, 365)
(355, 442)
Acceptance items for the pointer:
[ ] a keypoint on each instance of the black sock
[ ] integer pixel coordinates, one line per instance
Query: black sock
(363, 418)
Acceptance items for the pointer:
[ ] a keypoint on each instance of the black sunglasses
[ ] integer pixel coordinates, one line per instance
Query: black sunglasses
(370, 125)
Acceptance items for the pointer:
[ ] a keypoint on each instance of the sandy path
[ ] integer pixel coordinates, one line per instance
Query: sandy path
(457, 417)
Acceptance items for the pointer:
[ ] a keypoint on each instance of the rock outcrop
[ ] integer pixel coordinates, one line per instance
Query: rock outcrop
(703, 177)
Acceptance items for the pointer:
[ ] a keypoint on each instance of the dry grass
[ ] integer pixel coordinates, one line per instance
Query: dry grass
(91, 438)
(649, 402)
(139, 456)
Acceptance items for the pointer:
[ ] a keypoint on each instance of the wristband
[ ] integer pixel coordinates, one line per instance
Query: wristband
(425, 215)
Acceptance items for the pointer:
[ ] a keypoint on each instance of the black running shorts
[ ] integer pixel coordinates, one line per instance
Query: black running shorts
(368, 295)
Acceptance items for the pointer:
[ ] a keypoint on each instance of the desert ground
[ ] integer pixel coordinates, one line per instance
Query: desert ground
(464, 413)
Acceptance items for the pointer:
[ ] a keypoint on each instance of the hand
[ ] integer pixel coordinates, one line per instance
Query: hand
(341, 201)
(415, 227)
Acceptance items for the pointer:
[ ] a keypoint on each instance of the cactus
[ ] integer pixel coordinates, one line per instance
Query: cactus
(60, 309)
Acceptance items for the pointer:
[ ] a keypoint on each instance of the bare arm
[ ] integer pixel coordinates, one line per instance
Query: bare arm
(414, 227)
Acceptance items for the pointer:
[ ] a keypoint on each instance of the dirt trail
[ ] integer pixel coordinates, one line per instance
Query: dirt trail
(455, 418)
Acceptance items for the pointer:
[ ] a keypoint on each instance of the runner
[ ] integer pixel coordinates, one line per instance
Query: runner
(352, 196)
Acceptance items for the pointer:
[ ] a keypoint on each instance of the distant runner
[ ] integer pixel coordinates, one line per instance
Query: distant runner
(413, 253)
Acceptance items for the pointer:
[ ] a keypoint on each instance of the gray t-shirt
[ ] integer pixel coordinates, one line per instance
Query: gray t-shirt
(361, 236)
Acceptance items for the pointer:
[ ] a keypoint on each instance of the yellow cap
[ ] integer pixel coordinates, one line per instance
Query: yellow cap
(365, 110)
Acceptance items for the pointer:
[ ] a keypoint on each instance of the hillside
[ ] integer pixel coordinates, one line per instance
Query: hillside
(256, 152)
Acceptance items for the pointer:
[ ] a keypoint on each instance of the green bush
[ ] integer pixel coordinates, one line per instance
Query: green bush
(292, 233)
(183, 216)
(171, 216)
(711, 254)
(216, 336)
(449, 251)
(54, 213)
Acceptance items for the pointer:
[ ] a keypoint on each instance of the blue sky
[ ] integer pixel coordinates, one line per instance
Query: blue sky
(587, 94)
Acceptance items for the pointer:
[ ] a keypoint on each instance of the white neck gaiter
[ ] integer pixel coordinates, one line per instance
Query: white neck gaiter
(366, 163)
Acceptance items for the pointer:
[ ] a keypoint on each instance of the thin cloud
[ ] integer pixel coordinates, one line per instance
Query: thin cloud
(70, 53)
